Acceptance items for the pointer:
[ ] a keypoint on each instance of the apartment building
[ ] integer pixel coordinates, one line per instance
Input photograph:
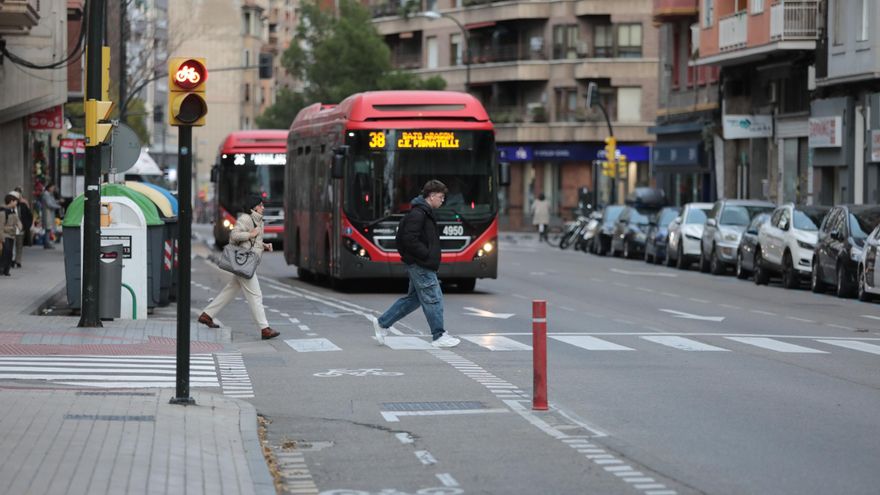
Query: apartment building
(530, 63)
(844, 132)
(33, 88)
(765, 50)
(687, 109)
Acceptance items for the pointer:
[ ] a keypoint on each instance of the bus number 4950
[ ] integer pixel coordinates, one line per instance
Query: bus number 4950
(452, 230)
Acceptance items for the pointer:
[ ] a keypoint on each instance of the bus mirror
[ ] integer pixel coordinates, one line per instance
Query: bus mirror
(339, 156)
(504, 174)
(215, 171)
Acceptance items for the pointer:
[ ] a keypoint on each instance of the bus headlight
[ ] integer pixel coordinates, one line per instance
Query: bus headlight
(487, 248)
(356, 249)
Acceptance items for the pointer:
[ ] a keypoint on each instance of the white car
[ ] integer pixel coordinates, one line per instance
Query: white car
(869, 275)
(786, 243)
(683, 246)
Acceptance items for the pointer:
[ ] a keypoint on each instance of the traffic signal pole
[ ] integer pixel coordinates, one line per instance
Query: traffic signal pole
(184, 277)
(91, 233)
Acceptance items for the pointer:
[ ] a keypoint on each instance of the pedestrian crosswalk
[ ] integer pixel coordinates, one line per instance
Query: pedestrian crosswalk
(108, 371)
(718, 343)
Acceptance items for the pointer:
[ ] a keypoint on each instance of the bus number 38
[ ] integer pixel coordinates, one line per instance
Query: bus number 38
(453, 230)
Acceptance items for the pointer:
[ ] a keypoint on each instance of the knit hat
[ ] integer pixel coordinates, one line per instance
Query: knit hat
(252, 201)
(16, 194)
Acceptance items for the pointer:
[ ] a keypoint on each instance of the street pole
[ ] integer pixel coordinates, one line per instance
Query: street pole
(184, 227)
(123, 8)
(612, 159)
(91, 232)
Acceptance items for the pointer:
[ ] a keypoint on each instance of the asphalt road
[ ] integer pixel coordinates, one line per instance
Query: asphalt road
(661, 382)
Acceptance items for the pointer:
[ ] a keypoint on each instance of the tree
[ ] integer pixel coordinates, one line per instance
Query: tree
(336, 56)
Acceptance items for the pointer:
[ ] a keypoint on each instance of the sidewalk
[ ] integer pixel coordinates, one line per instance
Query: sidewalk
(58, 439)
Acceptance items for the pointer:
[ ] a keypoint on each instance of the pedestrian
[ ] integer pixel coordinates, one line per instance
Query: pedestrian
(10, 226)
(248, 231)
(541, 216)
(27, 220)
(49, 206)
(418, 242)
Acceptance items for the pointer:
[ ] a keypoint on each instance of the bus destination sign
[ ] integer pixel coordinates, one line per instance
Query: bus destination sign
(241, 159)
(418, 140)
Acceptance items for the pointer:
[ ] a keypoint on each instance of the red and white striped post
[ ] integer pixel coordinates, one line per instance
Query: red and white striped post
(539, 355)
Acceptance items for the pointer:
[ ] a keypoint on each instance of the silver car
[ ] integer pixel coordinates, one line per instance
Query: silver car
(725, 224)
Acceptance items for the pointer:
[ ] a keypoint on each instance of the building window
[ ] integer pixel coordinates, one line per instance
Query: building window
(757, 6)
(708, 13)
(456, 49)
(629, 40)
(433, 53)
(629, 104)
(565, 41)
(566, 104)
(838, 22)
(247, 92)
(246, 23)
(247, 58)
(863, 32)
(603, 41)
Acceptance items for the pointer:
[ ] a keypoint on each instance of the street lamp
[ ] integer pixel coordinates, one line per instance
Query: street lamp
(433, 15)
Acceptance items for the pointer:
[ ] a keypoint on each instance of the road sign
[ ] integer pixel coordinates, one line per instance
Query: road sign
(125, 150)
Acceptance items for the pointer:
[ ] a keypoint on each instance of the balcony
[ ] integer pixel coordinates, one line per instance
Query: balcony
(621, 71)
(615, 8)
(794, 20)
(387, 17)
(487, 54)
(406, 60)
(668, 10)
(733, 31)
(18, 16)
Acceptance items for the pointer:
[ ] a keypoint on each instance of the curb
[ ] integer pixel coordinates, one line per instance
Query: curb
(43, 301)
(264, 484)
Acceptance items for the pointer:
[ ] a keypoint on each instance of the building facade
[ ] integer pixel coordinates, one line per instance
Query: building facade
(530, 63)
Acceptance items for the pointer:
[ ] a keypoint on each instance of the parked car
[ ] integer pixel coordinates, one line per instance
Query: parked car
(724, 225)
(748, 245)
(869, 275)
(786, 243)
(602, 239)
(655, 246)
(683, 246)
(838, 251)
(630, 232)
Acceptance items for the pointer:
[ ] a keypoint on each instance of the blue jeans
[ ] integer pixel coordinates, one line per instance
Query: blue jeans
(424, 291)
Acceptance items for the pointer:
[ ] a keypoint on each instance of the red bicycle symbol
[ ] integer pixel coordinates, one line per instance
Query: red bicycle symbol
(188, 74)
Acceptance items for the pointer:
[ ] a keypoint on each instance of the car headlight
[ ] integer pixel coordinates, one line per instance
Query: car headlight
(805, 245)
(731, 237)
(640, 236)
(693, 237)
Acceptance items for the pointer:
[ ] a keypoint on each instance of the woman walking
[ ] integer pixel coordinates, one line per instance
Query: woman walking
(10, 226)
(541, 216)
(248, 232)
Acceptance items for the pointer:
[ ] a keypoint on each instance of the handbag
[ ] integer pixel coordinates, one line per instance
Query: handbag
(239, 261)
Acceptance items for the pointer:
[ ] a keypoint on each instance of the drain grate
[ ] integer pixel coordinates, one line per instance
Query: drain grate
(433, 406)
(109, 417)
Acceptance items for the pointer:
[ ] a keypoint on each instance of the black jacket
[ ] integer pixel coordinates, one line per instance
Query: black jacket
(418, 239)
(27, 221)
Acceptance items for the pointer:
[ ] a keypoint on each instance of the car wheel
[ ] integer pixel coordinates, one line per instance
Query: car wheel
(789, 277)
(658, 260)
(716, 267)
(704, 263)
(864, 295)
(670, 262)
(816, 284)
(844, 287)
(681, 263)
(761, 275)
(741, 272)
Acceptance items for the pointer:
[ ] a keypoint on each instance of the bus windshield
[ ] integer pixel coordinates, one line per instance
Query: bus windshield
(387, 169)
(237, 181)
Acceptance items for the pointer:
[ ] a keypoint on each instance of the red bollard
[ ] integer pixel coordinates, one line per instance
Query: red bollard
(539, 355)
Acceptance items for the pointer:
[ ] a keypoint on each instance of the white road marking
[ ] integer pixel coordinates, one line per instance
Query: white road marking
(842, 327)
(294, 321)
(486, 314)
(394, 416)
(644, 274)
(729, 306)
(760, 312)
(795, 318)
(590, 343)
(404, 438)
(519, 296)
(691, 316)
(775, 345)
(625, 322)
(447, 479)
(304, 328)
(566, 308)
(285, 315)
(425, 457)
(853, 344)
(694, 299)
(670, 294)
(312, 345)
(871, 317)
(681, 343)
(407, 343)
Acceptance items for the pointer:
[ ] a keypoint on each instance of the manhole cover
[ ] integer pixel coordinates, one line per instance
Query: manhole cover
(433, 406)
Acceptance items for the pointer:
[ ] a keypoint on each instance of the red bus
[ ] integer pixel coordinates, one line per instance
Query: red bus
(250, 162)
(355, 167)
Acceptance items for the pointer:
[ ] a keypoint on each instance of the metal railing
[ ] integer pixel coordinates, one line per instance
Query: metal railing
(790, 20)
(733, 31)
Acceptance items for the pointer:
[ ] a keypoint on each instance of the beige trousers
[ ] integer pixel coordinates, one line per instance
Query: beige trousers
(252, 293)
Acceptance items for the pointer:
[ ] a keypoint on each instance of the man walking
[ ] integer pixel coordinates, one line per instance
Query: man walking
(418, 242)
(50, 206)
(9, 228)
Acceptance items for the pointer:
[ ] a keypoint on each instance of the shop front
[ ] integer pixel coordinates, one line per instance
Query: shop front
(681, 163)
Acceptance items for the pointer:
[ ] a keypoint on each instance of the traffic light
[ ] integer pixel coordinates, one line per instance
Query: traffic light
(186, 91)
(592, 94)
(98, 125)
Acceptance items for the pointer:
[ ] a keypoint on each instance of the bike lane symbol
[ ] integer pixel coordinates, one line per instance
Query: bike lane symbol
(335, 372)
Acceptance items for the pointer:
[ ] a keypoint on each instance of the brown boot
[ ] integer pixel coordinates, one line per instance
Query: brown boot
(268, 333)
(204, 319)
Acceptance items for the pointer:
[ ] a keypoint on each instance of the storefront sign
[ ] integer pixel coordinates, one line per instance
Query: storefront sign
(77, 146)
(747, 126)
(875, 145)
(568, 153)
(825, 132)
(51, 119)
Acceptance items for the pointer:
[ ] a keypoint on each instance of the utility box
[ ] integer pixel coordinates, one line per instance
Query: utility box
(128, 227)
(110, 273)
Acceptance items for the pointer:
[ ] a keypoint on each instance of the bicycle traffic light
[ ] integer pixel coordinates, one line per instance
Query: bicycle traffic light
(186, 91)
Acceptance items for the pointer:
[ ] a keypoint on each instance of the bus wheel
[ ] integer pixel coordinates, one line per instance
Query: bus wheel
(304, 275)
(466, 284)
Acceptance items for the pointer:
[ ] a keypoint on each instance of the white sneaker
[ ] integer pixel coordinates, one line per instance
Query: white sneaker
(380, 332)
(446, 340)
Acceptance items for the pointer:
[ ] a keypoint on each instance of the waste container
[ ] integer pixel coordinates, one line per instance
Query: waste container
(110, 274)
